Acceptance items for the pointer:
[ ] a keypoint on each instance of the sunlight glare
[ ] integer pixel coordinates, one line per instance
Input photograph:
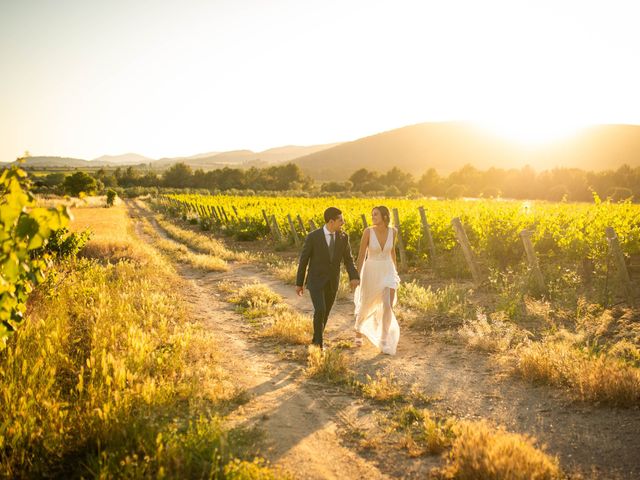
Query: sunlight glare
(532, 132)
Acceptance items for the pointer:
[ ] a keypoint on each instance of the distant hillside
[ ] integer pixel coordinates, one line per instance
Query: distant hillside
(64, 162)
(245, 157)
(449, 146)
(125, 159)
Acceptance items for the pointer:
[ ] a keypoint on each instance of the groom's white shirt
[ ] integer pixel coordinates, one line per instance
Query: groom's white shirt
(327, 235)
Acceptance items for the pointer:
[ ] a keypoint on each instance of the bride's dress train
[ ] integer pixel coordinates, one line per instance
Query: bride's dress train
(373, 306)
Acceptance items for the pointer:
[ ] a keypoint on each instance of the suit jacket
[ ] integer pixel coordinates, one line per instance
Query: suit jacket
(322, 271)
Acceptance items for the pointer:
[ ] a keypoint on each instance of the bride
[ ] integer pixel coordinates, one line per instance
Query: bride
(375, 297)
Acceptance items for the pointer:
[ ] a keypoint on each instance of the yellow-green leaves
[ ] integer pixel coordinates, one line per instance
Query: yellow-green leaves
(23, 228)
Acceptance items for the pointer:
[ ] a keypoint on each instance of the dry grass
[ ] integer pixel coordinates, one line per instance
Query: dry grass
(590, 377)
(290, 326)
(256, 300)
(110, 378)
(494, 333)
(105, 223)
(482, 452)
(180, 253)
(95, 201)
(381, 388)
(110, 235)
(329, 365)
(422, 432)
(428, 308)
(199, 242)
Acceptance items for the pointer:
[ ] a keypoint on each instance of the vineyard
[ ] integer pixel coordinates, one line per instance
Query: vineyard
(562, 235)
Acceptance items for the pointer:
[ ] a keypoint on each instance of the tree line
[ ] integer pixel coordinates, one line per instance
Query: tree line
(570, 184)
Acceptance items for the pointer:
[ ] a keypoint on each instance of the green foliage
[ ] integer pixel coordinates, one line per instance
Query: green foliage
(63, 244)
(111, 197)
(179, 175)
(23, 229)
(80, 182)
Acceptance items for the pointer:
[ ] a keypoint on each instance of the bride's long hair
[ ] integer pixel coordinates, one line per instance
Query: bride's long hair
(384, 211)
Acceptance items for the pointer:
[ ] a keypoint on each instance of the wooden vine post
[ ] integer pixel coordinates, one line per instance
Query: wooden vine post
(463, 240)
(618, 258)
(267, 220)
(294, 233)
(312, 225)
(403, 253)
(301, 223)
(276, 230)
(226, 218)
(364, 221)
(525, 235)
(212, 213)
(426, 232)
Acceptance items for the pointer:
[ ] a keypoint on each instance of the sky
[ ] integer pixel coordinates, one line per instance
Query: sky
(85, 78)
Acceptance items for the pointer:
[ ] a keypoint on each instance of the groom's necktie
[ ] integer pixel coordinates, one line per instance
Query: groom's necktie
(332, 246)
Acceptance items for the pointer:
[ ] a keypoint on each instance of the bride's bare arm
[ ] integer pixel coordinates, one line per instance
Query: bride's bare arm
(364, 243)
(393, 250)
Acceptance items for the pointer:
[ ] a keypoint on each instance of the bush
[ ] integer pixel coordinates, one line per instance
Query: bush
(111, 197)
(80, 182)
(63, 244)
(25, 228)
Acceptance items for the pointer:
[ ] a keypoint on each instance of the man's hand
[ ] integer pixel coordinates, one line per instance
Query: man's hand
(299, 290)
(353, 284)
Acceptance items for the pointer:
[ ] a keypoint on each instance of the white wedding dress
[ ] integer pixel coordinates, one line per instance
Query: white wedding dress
(374, 313)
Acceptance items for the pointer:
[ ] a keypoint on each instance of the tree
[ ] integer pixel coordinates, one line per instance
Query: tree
(333, 187)
(455, 191)
(469, 176)
(395, 177)
(430, 183)
(287, 176)
(80, 182)
(54, 179)
(361, 177)
(178, 176)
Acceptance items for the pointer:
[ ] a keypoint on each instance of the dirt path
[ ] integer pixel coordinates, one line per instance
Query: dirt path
(304, 420)
(300, 418)
(588, 439)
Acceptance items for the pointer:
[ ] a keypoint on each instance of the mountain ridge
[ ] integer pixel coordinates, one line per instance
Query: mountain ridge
(448, 146)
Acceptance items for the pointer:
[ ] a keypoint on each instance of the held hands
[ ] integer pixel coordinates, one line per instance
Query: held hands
(353, 284)
(299, 290)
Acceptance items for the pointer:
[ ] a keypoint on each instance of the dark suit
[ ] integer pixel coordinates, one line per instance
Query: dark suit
(324, 274)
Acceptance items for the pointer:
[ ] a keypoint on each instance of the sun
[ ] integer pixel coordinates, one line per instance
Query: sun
(532, 132)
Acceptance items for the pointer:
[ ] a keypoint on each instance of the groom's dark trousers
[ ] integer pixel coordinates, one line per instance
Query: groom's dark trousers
(323, 275)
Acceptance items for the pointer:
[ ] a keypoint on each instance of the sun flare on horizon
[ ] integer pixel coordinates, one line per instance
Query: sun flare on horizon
(532, 132)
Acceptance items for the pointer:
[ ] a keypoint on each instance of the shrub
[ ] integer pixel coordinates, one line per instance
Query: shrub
(24, 228)
(328, 365)
(480, 451)
(111, 197)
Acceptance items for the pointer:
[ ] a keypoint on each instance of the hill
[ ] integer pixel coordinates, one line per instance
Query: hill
(245, 158)
(125, 159)
(449, 146)
(62, 162)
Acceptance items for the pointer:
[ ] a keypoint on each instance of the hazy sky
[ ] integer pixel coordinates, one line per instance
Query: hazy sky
(84, 78)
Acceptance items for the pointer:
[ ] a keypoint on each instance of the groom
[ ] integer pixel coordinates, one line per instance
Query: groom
(323, 251)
